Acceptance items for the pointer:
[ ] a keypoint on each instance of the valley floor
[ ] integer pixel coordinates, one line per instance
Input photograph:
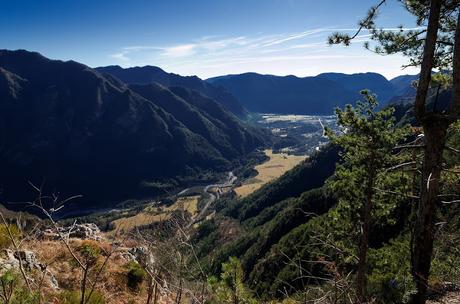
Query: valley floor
(274, 167)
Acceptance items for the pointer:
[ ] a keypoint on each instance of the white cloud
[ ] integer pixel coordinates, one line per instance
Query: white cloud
(183, 50)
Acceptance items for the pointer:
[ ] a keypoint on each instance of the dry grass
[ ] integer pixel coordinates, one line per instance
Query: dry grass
(152, 215)
(277, 165)
(113, 283)
(448, 298)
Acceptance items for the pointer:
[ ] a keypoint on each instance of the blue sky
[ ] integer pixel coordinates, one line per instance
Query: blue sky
(201, 37)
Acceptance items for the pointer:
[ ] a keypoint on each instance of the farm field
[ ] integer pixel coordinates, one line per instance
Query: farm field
(153, 214)
(277, 165)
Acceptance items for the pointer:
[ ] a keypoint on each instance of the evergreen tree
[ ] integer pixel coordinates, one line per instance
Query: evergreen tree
(435, 45)
(368, 142)
(230, 289)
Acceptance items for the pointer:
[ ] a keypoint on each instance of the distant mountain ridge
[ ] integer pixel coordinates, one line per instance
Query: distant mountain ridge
(308, 95)
(286, 95)
(404, 85)
(276, 94)
(150, 74)
(374, 82)
(83, 132)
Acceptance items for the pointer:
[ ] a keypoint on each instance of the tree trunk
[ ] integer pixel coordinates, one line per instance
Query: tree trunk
(361, 278)
(455, 105)
(203, 286)
(83, 285)
(435, 133)
(428, 59)
(179, 294)
(435, 138)
(150, 290)
(155, 294)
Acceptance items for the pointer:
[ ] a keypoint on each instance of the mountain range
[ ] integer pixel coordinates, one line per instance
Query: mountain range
(149, 74)
(310, 95)
(110, 133)
(78, 131)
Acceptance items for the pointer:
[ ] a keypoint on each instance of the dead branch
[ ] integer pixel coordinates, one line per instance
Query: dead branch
(16, 248)
(401, 166)
(409, 147)
(451, 202)
(396, 193)
(453, 149)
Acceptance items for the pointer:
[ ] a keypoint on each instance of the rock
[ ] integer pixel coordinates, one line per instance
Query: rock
(8, 264)
(81, 231)
(29, 263)
(451, 287)
(128, 256)
(29, 260)
(52, 280)
(143, 256)
(85, 231)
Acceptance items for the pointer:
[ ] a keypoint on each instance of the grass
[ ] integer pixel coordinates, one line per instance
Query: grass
(113, 286)
(277, 165)
(153, 214)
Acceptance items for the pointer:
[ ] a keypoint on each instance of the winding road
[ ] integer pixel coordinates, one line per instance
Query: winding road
(211, 196)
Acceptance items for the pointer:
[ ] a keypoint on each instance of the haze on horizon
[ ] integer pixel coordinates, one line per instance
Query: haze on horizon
(204, 37)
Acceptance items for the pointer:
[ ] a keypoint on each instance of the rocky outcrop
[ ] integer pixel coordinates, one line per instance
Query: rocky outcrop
(86, 231)
(13, 259)
(143, 256)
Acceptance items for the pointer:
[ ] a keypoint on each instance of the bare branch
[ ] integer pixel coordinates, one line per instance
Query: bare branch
(401, 166)
(453, 149)
(362, 25)
(16, 248)
(396, 193)
(409, 147)
(451, 202)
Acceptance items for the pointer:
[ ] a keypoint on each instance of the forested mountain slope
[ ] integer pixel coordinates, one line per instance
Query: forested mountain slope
(307, 95)
(292, 234)
(374, 82)
(149, 74)
(270, 214)
(76, 131)
(286, 95)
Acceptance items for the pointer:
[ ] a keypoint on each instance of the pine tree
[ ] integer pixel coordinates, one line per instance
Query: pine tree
(435, 45)
(368, 146)
(230, 288)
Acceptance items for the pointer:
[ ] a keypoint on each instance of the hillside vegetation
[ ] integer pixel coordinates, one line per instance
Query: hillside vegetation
(296, 236)
(151, 74)
(76, 131)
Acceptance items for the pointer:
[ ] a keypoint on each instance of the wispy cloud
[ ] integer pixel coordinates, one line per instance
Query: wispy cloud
(294, 37)
(120, 56)
(285, 53)
(183, 50)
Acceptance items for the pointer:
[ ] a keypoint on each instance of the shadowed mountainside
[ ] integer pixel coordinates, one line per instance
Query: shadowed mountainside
(307, 95)
(149, 74)
(80, 132)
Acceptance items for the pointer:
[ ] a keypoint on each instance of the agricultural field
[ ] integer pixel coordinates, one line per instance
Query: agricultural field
(298, 134)
(274, 167)
(154, 214)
